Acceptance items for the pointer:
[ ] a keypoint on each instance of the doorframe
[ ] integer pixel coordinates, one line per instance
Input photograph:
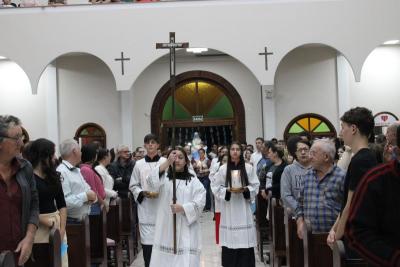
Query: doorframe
(227, 88)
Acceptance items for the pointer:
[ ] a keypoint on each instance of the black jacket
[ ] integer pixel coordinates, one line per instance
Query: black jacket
(122, 176)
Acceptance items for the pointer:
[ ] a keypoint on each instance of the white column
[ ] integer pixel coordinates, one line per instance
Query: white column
(343, 84)
(48, 84)
(269, 116)
(126, 118)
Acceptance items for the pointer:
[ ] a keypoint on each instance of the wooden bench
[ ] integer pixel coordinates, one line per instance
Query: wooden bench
(316, 251)
(129, 240)
(47, 254)
(98, 238)
(79, 243)
(340, 259)
(114, 223)
(278, 246)
(7, 259)
(262, 225)
(294, 245)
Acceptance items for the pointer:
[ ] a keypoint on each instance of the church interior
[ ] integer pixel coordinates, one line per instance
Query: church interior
(255, 68)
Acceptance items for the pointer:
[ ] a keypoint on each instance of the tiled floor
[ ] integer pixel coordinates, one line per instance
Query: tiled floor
(211, 253)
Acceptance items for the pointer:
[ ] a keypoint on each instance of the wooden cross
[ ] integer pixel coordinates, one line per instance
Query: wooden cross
(172, 82)
(122, 59)
(266, 54)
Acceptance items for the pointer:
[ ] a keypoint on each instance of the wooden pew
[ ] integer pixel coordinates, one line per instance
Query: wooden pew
(129, 240)
(47, 254)
(79, 243)
(294, 245)
(316, 252)
(7, 259)
(278, 248)
(262, 225)
(98, 238)
(114, 223)
(340, 259)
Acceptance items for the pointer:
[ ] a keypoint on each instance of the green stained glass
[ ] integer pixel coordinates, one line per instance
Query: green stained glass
(84, 132)
(322, 128)
(180, 112)
(223, 109)
(295, 129)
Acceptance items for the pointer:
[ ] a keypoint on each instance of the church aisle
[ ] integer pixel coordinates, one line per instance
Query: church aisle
(211, 253)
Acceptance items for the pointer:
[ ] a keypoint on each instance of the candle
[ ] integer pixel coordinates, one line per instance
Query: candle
(236, 179)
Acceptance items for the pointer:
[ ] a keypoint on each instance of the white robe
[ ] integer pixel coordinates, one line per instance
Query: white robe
(192, 196)
(213, 170)
(237, 228)
(141, 181)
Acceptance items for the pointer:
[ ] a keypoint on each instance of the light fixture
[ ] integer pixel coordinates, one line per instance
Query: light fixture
(2, 58)
(196, 50)
(392, 42)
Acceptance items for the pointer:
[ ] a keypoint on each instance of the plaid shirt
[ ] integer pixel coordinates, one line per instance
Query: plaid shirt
(320, 200)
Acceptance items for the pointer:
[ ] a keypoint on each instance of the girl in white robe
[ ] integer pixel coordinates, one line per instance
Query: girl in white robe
(237, 228)
(191, 197)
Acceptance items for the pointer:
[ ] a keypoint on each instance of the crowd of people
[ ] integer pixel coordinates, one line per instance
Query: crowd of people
(351, 194)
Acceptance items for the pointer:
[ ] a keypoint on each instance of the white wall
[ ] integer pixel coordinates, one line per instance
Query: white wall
(306, 83)
(16, 99)
(379, 88)
(87, 94)
(153, 78)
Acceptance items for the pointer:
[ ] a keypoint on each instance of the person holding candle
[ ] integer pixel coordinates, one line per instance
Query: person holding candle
(236, 185)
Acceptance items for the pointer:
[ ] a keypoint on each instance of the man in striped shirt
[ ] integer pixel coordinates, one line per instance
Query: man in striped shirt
(322, 190)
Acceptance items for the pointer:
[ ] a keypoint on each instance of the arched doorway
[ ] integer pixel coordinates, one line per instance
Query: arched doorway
(205, 103)
(91, 132)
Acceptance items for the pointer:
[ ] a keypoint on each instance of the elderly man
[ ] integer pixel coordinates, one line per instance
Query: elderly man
(19, 200)
(121, 170)
(77, 193)
(389, 151)
(321, 196)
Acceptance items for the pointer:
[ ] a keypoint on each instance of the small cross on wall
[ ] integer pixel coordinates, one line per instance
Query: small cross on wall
(266, 54)
(122, 59)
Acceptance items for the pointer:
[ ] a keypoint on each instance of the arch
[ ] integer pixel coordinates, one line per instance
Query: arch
(227, 89)
(311, 45)
(312, 123)
(91, 132)
(5, 58)
(75, 53)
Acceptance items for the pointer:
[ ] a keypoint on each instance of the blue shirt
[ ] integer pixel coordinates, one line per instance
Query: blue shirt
(321, 199)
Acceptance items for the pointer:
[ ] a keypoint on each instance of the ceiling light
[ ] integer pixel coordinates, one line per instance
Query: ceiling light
(1, 58)
(392, 42)
(196, 50)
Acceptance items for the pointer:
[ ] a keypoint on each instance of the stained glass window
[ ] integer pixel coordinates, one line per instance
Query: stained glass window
(314, 124)
(89, 133)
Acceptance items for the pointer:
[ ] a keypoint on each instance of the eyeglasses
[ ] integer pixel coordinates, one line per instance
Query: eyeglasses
(18, 138)
(306, 150)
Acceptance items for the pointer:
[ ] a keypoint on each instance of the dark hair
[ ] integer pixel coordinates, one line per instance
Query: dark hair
(363, 119)
(150, 137)
(292, 145)
(201, 149)
(377, 150)
(112, 154)
(25, 150)
(260, 138)
(185, 172)
(307, 135)
(241, 166)
(102, 153)
(89, 153)
(41, 151)
(6, 121)
(274, 140)
(278, 150)
(268, 144)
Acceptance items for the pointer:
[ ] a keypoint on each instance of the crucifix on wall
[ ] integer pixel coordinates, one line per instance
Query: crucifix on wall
(122, 59)
(266, 54)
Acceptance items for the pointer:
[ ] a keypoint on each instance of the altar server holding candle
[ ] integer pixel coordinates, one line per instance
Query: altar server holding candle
(236, 186)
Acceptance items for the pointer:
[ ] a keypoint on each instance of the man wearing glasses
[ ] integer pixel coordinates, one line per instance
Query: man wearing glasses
(121, 170)
(19, 201)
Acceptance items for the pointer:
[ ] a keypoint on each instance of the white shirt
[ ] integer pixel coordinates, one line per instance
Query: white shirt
(75, 188)
(108, 182)
(255, 158)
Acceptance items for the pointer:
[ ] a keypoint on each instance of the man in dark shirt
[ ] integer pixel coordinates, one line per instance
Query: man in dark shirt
(357, 129)
(121, 170)
(374, 219)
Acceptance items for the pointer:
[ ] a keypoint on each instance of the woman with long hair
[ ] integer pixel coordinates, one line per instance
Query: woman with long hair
(52, 206)
(190, 200)
(236, 185)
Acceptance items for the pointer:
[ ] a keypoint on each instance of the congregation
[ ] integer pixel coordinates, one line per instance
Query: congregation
(344, 189)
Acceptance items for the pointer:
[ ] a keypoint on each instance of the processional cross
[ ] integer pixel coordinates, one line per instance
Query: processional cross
(172, 83)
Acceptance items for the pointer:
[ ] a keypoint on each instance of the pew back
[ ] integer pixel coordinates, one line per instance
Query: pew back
(47, 254)
(316, 251)
(340, 260)
(294, 245)
(262, 225)
(98, 238)
(278, 233)
(7, 259)
(79, 243)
